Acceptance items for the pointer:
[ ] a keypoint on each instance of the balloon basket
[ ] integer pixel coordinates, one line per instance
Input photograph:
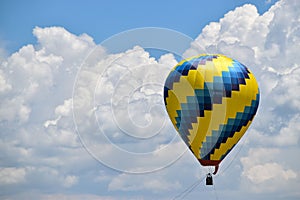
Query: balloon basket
(209, 179)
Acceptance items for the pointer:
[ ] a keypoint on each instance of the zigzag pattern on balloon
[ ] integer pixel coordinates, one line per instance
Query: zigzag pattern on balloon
(205, 87)
(227, 130)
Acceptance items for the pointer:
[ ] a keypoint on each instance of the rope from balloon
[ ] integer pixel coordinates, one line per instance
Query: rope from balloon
(189, 189)
(214, 163)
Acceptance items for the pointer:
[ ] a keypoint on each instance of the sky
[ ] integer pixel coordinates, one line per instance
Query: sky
(82, 113)
(102, 19)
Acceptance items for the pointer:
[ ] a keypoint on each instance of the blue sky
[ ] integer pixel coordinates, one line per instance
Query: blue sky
(78, 121)
(102, 19)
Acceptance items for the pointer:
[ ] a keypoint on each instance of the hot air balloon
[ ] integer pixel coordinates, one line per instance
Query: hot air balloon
(211, 101)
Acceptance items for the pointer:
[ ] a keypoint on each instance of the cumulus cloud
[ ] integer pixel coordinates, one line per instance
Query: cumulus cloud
(269, 171)
(4, 85)
(118, 95)
(264, 171)
(119, 101)
(38, 106)
(126, 182)
(37, 133)
(60, 42)
(257, 40)
(12, 175)
(267, 45)
(14, 109)
(69, 181)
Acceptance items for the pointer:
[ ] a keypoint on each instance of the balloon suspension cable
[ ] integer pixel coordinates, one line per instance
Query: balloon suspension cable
(238, 150)
(189, 189)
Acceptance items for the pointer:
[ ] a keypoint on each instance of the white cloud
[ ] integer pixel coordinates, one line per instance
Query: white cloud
(65, 109)
(4, 85)
(125, 96)
(60, 42)
(12, 175)
(232, 36)
(267, 45)
(37, 132)
(287, 134)
(265, 171)
(268, 172)
(31, 76)
(256, 40)
(126, 182)
(69, 181)
(36, 121)
(14, 109)
(38, 83)
(51, 122)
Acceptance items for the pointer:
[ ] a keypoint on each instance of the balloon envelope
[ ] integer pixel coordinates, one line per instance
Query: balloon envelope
(211, 101)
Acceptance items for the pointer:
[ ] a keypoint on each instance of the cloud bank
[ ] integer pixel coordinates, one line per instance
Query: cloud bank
(267, 45)
(42, 155)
